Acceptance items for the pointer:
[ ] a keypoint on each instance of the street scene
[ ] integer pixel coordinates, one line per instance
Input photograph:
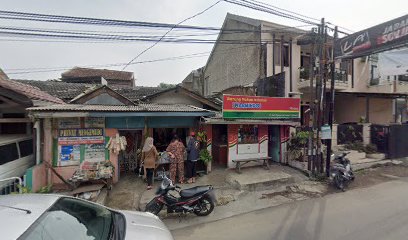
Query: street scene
(228, 119)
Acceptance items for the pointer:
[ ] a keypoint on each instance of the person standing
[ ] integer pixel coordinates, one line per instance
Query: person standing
(149, 156)
(176, 151)
(193, 152)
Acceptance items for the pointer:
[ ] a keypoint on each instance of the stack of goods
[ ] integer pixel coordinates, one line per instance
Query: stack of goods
(116, 144)
(93, 171)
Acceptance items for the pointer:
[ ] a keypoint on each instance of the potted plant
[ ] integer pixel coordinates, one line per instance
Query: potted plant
(205, 155)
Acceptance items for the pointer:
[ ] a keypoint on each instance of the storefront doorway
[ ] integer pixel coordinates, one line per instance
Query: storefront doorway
(220, 145)
(163, 136)
(129, 159)
(274, 142)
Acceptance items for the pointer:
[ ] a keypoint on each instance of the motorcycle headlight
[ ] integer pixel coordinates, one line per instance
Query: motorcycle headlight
(333, 174)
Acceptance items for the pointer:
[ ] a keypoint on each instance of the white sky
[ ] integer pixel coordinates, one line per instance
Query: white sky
(352, 14)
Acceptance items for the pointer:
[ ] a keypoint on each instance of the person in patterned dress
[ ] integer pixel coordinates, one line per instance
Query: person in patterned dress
(176, 152)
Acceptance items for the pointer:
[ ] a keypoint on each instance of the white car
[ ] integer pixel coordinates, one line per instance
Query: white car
(16, 155)
(46, 217)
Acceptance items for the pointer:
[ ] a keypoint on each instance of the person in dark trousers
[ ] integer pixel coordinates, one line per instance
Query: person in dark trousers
(193, 152)
(149, 156)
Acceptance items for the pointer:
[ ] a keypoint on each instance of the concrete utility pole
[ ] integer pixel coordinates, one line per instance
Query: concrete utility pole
(331, 106)
(317, 165)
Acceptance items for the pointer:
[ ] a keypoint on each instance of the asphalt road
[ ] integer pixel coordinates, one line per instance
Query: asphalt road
(378, 212)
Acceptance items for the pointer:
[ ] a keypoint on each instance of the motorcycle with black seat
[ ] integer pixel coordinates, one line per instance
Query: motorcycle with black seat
(198, 200)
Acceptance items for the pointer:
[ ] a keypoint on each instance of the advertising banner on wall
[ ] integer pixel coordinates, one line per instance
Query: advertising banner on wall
(95, 152)
(382, 37)
(235, 106)
(80, 136)
(69, 155)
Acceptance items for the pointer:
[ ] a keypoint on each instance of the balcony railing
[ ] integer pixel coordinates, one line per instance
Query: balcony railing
(340, 77)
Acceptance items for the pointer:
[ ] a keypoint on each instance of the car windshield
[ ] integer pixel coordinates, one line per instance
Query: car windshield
(70, 219)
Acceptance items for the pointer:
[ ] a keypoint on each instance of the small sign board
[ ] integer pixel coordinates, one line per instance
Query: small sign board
(326, 132)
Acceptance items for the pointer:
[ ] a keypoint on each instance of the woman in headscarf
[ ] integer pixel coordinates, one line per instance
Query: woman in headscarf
(176, 152)
(149, 156)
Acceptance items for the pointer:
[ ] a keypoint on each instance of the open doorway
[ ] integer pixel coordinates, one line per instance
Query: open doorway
(220, 145)
(274, 142)
(129, 160)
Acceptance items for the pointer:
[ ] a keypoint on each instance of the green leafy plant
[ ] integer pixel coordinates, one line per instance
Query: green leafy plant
(370, 148)
(202, 136)
(44, 189)
(297, 145)
(356, 146)
(205, 156)
(304, 73)
(24, 189)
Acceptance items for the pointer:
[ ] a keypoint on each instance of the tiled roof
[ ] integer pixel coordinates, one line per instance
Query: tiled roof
(120, 108)
(78, 72)
(136, 93)
(31, 92)
(68, 91)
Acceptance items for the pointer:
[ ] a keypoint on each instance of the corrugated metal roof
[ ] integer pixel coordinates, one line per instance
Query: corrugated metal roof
(119, 108)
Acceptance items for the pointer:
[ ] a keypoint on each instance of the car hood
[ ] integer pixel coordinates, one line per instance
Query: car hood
(146, 226)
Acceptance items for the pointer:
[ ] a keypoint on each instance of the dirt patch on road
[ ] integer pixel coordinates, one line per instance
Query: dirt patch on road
(373, 176)
(125, 195)
(364, 178)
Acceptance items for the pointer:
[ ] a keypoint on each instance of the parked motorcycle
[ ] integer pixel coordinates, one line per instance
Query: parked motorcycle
(341, 171)
(198, 200)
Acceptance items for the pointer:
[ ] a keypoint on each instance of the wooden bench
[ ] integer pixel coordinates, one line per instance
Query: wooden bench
(241, 162)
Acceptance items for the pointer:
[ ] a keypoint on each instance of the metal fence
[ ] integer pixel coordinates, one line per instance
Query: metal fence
(349, 133)
(11, 185)
(379, 136)
(398, 141)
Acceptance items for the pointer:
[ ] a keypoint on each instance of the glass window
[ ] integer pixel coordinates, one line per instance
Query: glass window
(8, 153)
(248, 134)
(26, 148)
(70, 219)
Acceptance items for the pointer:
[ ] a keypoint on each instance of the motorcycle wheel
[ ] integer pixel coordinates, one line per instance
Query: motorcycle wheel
(204, 206)
(154, 207)
(338, 180)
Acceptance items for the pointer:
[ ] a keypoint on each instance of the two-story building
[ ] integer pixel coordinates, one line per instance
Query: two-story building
(259, 49)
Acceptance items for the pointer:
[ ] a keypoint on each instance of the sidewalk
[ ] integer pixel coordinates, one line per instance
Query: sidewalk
(254, 189)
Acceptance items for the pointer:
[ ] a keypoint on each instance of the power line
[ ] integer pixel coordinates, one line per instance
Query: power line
(108, 65)
(261, 6)
(154, 44)
(266, 9)
(301, 15)
(53, 69)
(91, 21)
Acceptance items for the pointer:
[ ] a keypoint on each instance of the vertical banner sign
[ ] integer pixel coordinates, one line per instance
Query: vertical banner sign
(235, 106)
(384, 36)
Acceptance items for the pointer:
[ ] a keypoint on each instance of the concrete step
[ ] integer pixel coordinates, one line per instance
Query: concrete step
(257, 179)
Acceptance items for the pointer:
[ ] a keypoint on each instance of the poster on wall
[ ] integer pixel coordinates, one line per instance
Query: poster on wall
(69, 123)
(94, 122)
(94, 152)
(69, 155)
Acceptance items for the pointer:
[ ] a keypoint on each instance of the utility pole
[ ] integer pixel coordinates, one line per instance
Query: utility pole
(319, 95)
(331, 109)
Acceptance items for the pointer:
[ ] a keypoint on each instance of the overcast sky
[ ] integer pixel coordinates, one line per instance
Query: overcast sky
(352, 14)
